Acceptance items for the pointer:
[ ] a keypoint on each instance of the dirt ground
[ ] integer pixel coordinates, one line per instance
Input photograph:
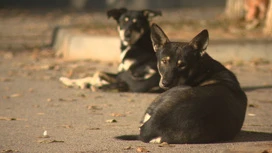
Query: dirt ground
(33, 102)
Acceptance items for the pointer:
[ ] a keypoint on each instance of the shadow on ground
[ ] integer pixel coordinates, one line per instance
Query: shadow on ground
(249, 136)
(251, 88)
(243, 136)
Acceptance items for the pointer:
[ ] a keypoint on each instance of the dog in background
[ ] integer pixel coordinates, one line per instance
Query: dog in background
(204, 102)
(137, 71)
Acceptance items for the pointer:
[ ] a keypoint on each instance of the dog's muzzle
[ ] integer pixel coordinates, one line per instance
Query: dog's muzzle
(127, 35)
(163, 85)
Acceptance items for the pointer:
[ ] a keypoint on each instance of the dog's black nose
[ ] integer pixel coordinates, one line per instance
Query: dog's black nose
(165, 83)
(127, 33)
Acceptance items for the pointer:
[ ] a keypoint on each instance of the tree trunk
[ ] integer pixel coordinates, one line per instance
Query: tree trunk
(234, 9)
(268, 22)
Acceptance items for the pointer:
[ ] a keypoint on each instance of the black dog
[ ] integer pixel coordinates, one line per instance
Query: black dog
(204, 102)
(137, 71)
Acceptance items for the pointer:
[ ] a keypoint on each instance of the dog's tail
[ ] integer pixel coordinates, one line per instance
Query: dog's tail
(128, 137)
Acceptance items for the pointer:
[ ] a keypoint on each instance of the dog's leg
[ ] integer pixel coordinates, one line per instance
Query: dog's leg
(113, 84)
(115, 87)
(108, 77)
(156, 140)
(148, 132)
(79, 83)
(99, 79)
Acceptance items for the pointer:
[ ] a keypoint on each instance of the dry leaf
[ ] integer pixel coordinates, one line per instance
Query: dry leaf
(67, 126)
(47, 67)
(117, 115)
(111, 121)
(12, 119)
(9, 151)
(50, 141)
(30, 90)
(5, 79)
(36, 106)
(81, 95)
(93, 128)
(259, 61)
(251, 114)
(6, 97)
(128, 148)
(252, 105)
(45, 134)
(142, 149)
(8, 118)
(228, 66)
(93, 107)
(15, 95)
(62, 99)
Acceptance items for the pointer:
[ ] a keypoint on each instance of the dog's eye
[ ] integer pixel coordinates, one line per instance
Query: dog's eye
(181, 64)
(126, 19)
(163, 61)
(134, 20)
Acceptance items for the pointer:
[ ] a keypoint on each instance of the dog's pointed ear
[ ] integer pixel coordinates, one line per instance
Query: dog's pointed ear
(116, 13)
(158, 37)
(150, 14)
(200, 42)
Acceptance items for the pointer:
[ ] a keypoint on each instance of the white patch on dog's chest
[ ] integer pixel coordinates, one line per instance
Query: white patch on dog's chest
(122, 36)
(123, 53)
(125, 65)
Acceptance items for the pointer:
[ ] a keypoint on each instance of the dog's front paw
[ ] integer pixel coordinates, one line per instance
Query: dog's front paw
(66, 81)
(77, 83)
(156, 140)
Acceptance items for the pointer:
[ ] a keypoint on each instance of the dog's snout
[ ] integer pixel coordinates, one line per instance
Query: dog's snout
(127, 33)
(165, 83)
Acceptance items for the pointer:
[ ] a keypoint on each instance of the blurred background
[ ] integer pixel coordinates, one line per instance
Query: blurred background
(30, 24)
(104, 4)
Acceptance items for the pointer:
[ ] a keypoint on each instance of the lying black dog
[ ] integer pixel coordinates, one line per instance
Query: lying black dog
(138, 62)
(137, 71)
(204, 102)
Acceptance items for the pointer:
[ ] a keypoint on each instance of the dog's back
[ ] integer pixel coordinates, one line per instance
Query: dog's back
(204, 102)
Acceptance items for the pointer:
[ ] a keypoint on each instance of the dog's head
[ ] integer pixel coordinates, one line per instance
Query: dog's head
(176, 60)
(132, 24)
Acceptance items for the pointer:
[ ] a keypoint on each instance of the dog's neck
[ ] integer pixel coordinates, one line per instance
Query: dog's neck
(211, 71)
